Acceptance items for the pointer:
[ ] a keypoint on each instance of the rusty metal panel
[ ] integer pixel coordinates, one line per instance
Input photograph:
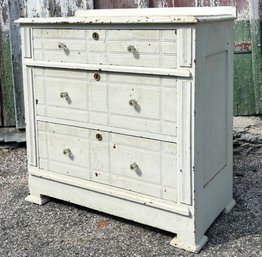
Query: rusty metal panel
(172, 3)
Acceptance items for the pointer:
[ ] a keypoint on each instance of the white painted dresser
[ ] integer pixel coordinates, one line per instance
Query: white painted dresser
(129, 112)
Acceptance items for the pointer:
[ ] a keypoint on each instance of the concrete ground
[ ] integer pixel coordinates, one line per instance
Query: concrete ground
(62, 229)
(252, 124)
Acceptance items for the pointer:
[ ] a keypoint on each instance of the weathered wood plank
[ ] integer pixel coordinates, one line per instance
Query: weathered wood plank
(172, 3)
(244, 98)
(108, 4)
(15, 38)
(256, 35)
(7, 101)
(56, 8)
(66, 8)
(39, 8)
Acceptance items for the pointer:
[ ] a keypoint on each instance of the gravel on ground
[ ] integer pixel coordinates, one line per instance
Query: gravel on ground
(62, 229)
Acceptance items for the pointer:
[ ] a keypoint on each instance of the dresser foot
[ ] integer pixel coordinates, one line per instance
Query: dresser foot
(187, 245)
(40, 199)
(230, 206)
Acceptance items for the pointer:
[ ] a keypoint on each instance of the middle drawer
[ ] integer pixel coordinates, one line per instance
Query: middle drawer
(136, 102)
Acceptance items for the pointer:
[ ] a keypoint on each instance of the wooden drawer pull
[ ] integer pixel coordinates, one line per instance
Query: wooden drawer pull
(134, 167)
(135, 104)
(67, 152)
(131, 49)
(62, 45)
(65, 95)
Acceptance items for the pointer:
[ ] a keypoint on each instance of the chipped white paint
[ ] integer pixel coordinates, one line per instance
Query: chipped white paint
(116, 53)
(38, 8)
(46, 8)
(142, 3)
(244, 13)
(162, 3)
(254, 10)
(4, 15)
(143, 15)
(68, 7)
(111, 134)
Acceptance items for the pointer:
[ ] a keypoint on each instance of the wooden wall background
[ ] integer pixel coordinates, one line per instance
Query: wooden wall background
(248, 82)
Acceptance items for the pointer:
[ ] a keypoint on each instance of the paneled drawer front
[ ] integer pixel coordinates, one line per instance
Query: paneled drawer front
(135, 102)
(134, 164)
(145, 48)
(64, 149)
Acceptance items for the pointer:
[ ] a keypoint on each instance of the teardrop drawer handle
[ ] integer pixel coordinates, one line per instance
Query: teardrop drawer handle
(131, 49)
(135, 104)
(65, 95)
(62, 45)
(134, 167)
(67, 152)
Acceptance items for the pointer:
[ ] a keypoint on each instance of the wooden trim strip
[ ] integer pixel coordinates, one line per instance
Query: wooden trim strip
(112, 191)
(185, 73)
(122, 131)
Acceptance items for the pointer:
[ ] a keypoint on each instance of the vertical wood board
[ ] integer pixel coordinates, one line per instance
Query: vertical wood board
(6, 86)
(111, 4)
(171, 3)
(15, 41)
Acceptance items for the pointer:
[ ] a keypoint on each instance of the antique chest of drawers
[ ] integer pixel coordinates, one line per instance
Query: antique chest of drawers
(129, 112)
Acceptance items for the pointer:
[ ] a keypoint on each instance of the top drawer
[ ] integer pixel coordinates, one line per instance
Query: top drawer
(142, 48)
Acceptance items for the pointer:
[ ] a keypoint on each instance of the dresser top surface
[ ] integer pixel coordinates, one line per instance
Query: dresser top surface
(143, 16)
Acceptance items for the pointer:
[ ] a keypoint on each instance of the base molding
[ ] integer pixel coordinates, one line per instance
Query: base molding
(185, 245)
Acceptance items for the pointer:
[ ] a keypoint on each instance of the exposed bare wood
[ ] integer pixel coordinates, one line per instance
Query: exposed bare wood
(109, 4)
(171, 3)
(143, 3)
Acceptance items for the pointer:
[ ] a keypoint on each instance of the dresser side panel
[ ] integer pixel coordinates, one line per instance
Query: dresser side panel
(213, 121)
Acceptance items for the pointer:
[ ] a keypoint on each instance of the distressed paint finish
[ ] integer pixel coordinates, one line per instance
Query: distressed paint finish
(171, 3)
(249, 18)
(110, 4)
(256, 34)
(7, 101)
(68, 8)
(244, 98)
(14, 12)
(248, 65)
(142, 173)
(56, 8)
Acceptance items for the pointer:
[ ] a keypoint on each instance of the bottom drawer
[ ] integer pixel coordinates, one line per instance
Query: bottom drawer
(140, 165)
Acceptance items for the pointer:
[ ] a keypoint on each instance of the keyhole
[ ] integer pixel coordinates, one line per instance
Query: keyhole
(99, 137)
(95, 36)
(97, 76)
